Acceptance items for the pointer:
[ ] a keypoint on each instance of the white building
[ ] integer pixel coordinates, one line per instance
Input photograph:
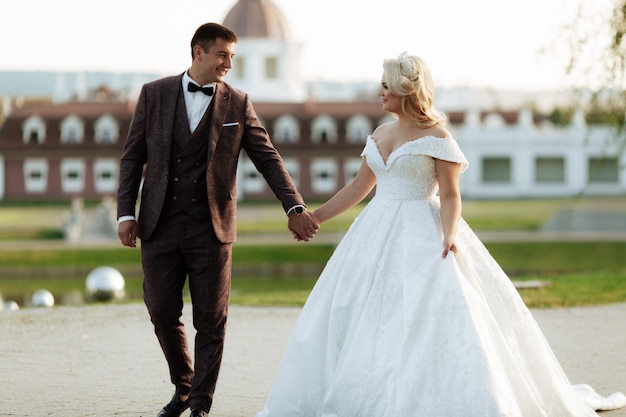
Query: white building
(512, 154)
(62, 150)
(525, 159)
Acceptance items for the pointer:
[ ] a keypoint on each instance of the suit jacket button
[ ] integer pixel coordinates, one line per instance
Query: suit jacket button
(193, 200)
(174, 198)
(176, 179)
(179, 160)
(195, 181)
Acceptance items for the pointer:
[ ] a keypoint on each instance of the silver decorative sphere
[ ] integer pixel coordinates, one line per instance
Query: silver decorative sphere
(11, 306)
(105, 283)
(42, 298)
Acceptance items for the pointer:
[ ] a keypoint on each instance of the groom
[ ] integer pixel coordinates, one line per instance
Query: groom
(182, 151)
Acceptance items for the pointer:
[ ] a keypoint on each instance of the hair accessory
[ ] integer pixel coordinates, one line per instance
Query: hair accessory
(407, 67)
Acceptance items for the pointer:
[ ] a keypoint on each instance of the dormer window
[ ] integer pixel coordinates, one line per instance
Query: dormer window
(34, 130)
(72, 130)
(357, 129)
(71, 135)
(324, 130)
(106, 130)
(286, 129)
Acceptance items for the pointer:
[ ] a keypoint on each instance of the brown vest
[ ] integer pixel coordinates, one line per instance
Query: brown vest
(186, 188)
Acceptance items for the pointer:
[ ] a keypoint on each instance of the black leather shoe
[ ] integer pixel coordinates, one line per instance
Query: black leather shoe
(175, 407)
(198, 413)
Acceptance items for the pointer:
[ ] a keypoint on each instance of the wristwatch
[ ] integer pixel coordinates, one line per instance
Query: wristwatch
(296, 210)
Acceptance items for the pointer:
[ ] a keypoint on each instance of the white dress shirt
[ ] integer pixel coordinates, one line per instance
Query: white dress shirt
(196, 103)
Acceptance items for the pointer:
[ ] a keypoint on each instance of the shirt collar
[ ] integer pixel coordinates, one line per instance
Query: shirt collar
(187, 79)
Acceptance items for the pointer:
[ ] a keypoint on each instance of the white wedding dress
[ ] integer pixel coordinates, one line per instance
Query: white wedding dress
(393, 330)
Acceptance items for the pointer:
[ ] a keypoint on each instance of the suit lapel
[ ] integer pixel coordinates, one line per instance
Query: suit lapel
(221, 101)
(169, 99)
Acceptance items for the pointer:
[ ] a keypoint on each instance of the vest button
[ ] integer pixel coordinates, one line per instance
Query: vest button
(193, 200)
(195, 181)
(179, 160)
(174, 198)
(176, 179)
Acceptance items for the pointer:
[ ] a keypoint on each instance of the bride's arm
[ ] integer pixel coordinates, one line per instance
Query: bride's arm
(450, 197)
(348, 196)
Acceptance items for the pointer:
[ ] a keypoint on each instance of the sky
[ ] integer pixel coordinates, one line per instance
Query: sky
(480, 43)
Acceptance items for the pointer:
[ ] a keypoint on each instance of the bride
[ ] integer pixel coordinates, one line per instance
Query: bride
(412, 317)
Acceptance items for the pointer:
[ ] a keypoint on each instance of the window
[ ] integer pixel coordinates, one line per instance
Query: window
(293, 168)
(496, 170)
(252, 181)
(271, 68)
(71, 136)
(72, 175)
(494, 121)
(105, 179)
(35, 175)
(324, 130)
(324, 175)
(239, 66)
(357, 129)
(603, 170)
(106, 136)
(34, 130)
(106, 130)
(550, 170)
(286, 130)
(350, 169)
(72, 130)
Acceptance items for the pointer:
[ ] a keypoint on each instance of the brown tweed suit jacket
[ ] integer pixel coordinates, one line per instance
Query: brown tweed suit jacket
(234, 127)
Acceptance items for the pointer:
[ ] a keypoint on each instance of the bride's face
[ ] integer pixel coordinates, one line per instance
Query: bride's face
(391, 102)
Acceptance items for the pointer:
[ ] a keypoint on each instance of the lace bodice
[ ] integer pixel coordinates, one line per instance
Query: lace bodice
(409, 172)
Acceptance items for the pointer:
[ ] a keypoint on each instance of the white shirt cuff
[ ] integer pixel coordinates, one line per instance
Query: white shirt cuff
(125, 218)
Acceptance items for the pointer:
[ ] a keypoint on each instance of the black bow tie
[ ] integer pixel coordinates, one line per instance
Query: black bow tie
(195, 87)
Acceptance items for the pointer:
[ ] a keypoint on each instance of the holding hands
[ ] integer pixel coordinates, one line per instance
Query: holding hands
(303, 226)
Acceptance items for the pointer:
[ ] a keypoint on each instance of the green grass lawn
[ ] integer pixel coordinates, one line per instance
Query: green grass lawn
(581, 273)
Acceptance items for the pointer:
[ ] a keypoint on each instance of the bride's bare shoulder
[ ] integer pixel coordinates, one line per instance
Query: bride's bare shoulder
(439, 132)
(382, 130)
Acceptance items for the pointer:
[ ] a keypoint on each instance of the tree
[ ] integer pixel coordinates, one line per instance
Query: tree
(596, 46)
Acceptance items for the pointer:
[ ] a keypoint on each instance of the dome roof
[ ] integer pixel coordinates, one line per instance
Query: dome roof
(257, 19)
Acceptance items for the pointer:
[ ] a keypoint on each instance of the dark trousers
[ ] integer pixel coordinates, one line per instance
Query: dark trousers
(182, 247)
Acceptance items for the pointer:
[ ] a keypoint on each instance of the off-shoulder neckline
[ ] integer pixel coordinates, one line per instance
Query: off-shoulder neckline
(385, 160)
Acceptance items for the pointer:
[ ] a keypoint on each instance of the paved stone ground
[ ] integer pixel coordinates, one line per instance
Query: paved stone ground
(104, 360)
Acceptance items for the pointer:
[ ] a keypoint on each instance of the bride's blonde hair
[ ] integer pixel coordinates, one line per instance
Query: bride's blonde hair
(409, 77)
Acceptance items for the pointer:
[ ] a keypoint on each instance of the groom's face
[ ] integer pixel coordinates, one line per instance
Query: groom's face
(215, 63)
